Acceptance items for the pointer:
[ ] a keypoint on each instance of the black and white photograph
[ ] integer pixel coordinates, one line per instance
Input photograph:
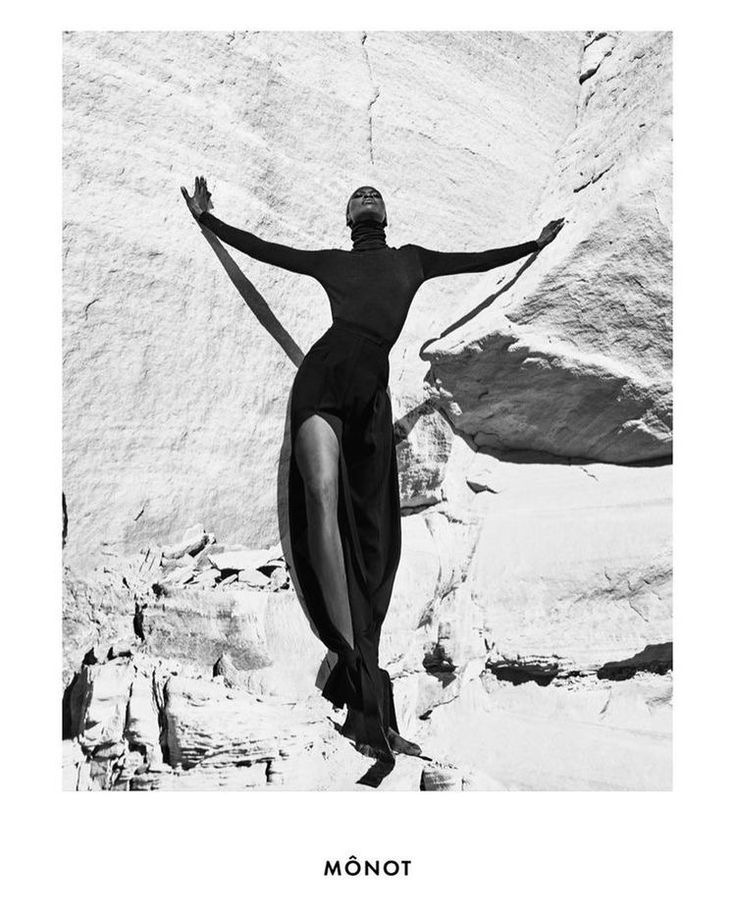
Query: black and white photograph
(367, 410)
(342, 351)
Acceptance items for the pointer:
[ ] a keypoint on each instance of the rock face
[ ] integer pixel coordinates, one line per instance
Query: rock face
(140, 727)
(581, 566)
(537, 609)
(569, 352)
(424, 443)
(175, 390)
(529, 637)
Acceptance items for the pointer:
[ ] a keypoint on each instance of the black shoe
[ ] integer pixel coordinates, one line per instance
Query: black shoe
(400, 745)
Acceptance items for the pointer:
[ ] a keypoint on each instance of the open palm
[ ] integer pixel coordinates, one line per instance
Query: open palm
(201, 200)
(550, 231)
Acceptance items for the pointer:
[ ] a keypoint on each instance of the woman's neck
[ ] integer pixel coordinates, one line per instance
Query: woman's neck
(368, 234)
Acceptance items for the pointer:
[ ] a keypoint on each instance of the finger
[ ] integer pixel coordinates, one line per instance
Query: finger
(183, 192)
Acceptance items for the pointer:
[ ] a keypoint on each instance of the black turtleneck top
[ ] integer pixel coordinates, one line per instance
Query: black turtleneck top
(372, 284)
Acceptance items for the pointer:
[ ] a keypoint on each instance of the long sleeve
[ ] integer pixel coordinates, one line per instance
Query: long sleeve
(302, 261)
(437, 264)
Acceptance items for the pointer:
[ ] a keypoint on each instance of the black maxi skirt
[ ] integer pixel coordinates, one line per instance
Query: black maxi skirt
(344, 378)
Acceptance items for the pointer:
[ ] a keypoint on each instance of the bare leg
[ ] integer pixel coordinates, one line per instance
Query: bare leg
(317, 456)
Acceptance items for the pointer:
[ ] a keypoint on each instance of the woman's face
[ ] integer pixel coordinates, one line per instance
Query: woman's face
(366, 203)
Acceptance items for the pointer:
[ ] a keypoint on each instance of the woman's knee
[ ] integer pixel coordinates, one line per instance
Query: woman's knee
(322, 491)
(317, 455)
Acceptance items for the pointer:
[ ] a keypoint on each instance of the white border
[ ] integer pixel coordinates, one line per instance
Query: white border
(629, 854)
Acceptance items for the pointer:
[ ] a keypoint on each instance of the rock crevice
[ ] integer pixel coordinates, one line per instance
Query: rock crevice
(374, 96)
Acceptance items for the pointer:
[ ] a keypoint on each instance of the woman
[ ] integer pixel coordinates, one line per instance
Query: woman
(344, 502)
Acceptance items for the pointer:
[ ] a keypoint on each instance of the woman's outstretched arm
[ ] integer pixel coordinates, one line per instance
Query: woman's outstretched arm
(302, 261)
(437, 264)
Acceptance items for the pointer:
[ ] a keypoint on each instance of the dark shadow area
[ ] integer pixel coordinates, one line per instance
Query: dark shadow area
(70, 709)
(661, 461)
(488, 301)
(652, 659)
(139, 619)
(258, 306)
(524, 672)
(375, 774)
(437, 664)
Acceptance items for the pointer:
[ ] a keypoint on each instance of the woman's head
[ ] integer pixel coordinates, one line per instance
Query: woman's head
(366, 203)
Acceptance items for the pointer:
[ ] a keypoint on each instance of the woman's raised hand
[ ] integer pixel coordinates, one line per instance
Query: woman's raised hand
(549, 232)
(201, 200)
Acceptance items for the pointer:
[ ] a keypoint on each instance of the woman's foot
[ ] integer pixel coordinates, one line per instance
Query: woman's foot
(400, 745)
(354, 728)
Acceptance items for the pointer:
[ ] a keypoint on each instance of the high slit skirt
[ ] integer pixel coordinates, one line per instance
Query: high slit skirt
(344, 378)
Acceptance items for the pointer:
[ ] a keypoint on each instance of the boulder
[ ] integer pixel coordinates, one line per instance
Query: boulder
(193, 541)
(105, 693)
(569, 351)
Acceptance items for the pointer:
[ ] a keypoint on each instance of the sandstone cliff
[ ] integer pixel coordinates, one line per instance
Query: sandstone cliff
(530, 632)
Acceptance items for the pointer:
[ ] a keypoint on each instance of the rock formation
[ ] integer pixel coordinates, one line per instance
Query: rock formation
(529, 636)
(570, 352)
